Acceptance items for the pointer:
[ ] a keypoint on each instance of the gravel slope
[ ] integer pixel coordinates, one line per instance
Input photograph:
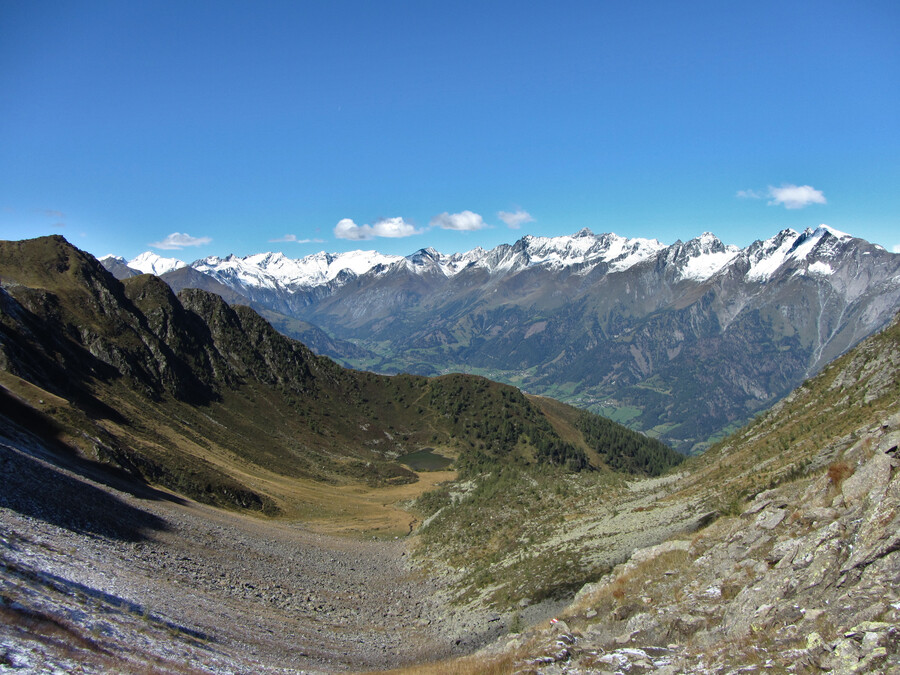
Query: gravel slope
(95, 576)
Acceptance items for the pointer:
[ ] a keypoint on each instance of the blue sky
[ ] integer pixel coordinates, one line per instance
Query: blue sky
(399, 125)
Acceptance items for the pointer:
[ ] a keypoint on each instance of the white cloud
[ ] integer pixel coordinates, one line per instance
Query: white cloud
(896, 248)
(788, 195)
(795, 196)
(394, 228)
(386, 227)
(293, 238)
(466, 221)
(347, 229)
(178, 240)
(515, 219)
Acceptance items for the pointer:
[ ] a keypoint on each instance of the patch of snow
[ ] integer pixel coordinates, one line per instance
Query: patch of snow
(703, 266)
(630, 252)
(834, 232)
(770, 255)
(806, 243)
(702, 257)
(820, 267)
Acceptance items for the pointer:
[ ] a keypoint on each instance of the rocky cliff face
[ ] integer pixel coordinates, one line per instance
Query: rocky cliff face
(804, 580)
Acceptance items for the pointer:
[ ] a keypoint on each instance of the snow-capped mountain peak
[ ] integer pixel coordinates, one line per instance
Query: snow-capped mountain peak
(276, 270)
(809, 248)
(696, 260)
(151, 263)
(832, 231)
(701, 257)
(587, 248)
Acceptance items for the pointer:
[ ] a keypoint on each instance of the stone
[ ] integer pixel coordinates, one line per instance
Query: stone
(814, 642)
(813, 614)
(651, 552)
(761, 501)
(869, 480)
(784, 550)
(770, 518)
(641, 622)
(818, 515)
(844, 657)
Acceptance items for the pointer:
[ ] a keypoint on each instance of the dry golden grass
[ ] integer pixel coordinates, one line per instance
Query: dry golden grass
(30, 393)
(627, 586)
(352, 509)
(838, 472)
(476, 664)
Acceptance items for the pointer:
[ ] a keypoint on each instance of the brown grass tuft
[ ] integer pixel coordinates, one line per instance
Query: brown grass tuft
(838, 472)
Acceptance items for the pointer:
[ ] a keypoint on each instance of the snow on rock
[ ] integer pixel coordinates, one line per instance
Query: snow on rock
(696, 260)
(151, 263)
(630, 252)
(833, 232)
(585, 247)
(276, 270)
(706, 255)
(701, 257)
(767, 257)
(820, 267)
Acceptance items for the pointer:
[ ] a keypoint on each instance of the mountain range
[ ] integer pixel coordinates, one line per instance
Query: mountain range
(682, 342)
(208, 399)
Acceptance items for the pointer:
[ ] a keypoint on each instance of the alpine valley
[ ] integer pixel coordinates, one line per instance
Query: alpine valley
(186, 490)
(682, 342)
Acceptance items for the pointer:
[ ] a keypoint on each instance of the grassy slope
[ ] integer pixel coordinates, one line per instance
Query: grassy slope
(509, 531)
(854, 391)
(800, 445)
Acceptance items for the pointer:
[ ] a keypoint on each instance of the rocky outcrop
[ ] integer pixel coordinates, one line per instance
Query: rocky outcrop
(805, 579)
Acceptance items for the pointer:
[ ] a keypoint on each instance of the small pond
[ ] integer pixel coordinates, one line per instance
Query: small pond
(425, 460)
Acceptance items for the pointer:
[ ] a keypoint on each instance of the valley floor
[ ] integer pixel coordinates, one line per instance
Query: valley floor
(803, 577)
(102, 580)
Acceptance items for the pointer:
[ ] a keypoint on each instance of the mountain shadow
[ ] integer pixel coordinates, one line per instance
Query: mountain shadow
(39, 490)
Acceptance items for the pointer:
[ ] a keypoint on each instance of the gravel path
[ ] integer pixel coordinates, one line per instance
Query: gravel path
(137, 581)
